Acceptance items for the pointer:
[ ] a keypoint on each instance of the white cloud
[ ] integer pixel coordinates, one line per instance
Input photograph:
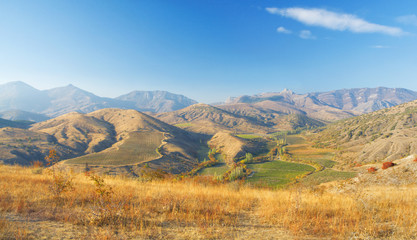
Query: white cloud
(380, 46)
(408, 19)
(334, 21)
(283, 30)
(305, 34)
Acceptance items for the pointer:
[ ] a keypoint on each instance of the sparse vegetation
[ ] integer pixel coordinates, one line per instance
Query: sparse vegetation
(194, 208)
(386, 165)
(62, 181)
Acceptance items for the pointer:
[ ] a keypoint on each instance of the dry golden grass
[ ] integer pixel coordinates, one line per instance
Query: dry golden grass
(198, 209)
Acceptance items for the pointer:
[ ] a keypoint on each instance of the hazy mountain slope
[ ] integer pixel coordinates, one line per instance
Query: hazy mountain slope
(23, 115)
(287, 102)
(62, 100)
(157, 101)
(383, 135)
(365, 100)
(14, 124)
(70, 99)
(203, 118)
(19, 95)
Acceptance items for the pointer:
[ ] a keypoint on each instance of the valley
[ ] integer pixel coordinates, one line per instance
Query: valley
(286, 141)
(215, 170)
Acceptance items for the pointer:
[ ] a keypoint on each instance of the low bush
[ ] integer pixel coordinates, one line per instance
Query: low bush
(371, 170)
(386, 165)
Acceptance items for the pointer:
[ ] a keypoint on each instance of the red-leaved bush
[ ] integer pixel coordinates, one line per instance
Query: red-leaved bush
(386, 165)
(371, 170)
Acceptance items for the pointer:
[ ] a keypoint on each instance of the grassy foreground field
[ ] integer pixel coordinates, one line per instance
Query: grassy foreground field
(93, 207)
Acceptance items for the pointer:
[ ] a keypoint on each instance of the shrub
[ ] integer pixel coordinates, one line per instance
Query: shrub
(415, 160)
(61, 180)
(237, 173)
(371, 170)
(106, 209)
(386, 165)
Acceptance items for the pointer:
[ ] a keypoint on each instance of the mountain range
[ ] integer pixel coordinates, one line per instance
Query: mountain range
(20, 101)
(58, 101)
(326, 106)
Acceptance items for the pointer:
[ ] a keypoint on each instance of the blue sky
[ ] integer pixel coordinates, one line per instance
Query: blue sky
(209, 49)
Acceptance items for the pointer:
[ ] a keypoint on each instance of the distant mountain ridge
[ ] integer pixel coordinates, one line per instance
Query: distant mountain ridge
(58, 101)
(326, 106)
(266, 109)
(23, 115)
(151, 101)
(365, 100)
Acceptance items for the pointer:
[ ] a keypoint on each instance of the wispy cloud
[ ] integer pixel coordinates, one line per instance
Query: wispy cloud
(283, 30)
(408, 19)
(306, 34)
(380, 46)
(334, 21)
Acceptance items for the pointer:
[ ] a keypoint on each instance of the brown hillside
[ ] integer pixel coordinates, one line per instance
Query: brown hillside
(230, 146)
(111, 139)
(22, 146)
(403, 173)
(125, 121)
(203, 118)
(384, 135)
(280, 117)
(82, 133)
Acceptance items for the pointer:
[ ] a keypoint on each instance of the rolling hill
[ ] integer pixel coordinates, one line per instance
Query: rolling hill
(203, 118)
(23, 146)
(105, 139)
(274, 115)
(384, 135)
(232, 147)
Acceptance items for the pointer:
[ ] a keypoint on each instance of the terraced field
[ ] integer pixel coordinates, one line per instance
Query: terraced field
(303, 159)
(276, 173)
(138, 147)
(302, 151)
